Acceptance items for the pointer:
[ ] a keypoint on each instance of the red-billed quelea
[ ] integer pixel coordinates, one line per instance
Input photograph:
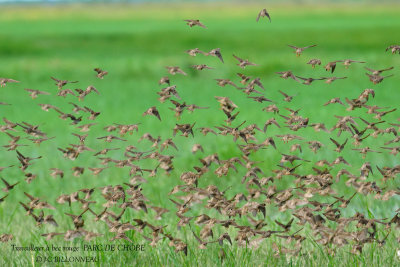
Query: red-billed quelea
(299, 50)
(263, 13)
(195, 22)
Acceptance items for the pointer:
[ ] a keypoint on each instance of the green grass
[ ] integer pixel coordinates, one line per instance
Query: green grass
(134, 43)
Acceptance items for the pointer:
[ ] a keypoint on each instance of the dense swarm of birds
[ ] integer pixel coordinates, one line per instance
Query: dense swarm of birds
(328, 226)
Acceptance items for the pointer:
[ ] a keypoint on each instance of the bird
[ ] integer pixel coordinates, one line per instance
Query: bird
(223, 82)
(163, 80)
(394, 49)
(3, 198)
(244, 62)
(263, 13)
(244, 78)
(288, 74)
(65, 92)
(260, 99)
(375, 79)
(287, 98)
(347, 62)
(201, 67)
(109, 138)
(174, 70)
(216, 52)
(331, 79)
(308, 81)
(335, 100)
(4, 81)
(57, 172)
(197, 147)
(339, 147)
(100, 73)
(195, 51)
(331, 66)
(51, 235)
(86, 127)
(8, 186)
(34, 93)
(61, 83)
(152, 111)
(314, 61)
(299, 50)
(195, 22)
(378, 72)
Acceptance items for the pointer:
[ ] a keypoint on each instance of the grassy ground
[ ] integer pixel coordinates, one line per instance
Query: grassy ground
(134, 43)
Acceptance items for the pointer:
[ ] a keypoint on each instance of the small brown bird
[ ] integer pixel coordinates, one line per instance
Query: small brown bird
(287, 98)
(168, 142)
(152, 111)
(331, 79)
(163, 80)
(6, 237)
(174, 70)
(8, 186)
(77, 108)
(2, 198)
(203, 244)
(197, 147)
(51, 235)
(244, 78)
(263, 13)
(331, 66)
(60, 83)
(314, 62)
(65, 92)
(223, 82)
(194, 52)
(287, 74)
(335, 100)
(394, 49)
(375, 79)
(260, 99)
(378, 72)
(244, 62)
(257, 81)
(347, 62)
(308, 81)
(93, 114)
(77, 171)
(339, 147)
(4, 81)
(205, 131)
(216, 53)
(109, 138)
(195, 22)
(57, 172)
(34, 93)
(86, 127)
(299, 50)
(201, 67)
(100, 73)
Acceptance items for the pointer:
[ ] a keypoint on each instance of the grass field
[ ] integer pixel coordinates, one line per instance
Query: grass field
(134, 43)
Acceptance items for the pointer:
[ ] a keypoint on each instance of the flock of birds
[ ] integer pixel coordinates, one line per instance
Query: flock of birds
(328, 226)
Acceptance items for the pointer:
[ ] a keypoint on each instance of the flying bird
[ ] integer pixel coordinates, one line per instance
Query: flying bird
(244, 62)
(263, 13)
(4, 81)
(100, 73)
(299, 50)
(216, 53)
(194, 22)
